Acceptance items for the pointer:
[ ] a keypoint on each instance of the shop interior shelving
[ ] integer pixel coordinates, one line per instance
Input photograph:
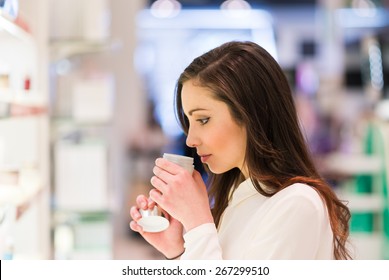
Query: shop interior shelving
(24, 214)
(81, 90)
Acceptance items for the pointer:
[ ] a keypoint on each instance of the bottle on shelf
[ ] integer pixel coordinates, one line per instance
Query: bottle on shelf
(9, 249)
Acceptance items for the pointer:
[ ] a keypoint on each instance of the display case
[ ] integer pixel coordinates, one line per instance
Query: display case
(82, 100)
(24, 189)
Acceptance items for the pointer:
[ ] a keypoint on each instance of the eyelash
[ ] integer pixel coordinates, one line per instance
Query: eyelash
(203, 121)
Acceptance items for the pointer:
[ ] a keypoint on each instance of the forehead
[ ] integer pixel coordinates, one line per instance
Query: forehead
(194, 95)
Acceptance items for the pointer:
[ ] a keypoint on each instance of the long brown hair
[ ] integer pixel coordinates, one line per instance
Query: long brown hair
(247, 78)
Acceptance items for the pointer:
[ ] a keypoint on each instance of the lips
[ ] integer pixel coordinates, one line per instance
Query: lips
(204, 158)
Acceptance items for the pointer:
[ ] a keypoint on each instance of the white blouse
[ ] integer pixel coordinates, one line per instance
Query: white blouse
(292, 224)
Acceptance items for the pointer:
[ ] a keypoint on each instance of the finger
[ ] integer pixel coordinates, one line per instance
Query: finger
(135, 227)
(197, 176)
(158, 184)
(135, 214)
(142, 201)
(161, 174)
(168, 166)
(166, 214)
(151, 203)
(156, 196)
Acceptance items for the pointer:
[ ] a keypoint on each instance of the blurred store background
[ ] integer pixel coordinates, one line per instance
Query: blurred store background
(86, 105)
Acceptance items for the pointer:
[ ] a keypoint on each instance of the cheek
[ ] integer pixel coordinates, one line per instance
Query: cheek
(227, 137)
(226, 147)
(220, 140)
(234, 143)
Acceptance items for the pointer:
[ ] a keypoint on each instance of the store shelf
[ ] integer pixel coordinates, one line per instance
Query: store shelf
(366, 246)
(65, 49)
(364, 202)
(10, 29)
(24, 192)
(352, 164)
(364, 190)
(19, 197)
(22, 97)
(20, 187)
(80, 137)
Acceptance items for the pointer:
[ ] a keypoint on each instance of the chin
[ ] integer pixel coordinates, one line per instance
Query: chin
(216, 170)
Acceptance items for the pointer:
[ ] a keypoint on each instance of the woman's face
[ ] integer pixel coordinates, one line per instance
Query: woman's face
(219, 140)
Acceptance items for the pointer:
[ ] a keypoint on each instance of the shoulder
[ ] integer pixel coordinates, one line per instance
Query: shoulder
(298, 197)
(298, 191)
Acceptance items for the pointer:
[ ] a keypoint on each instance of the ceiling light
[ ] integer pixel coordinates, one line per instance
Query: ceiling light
(165, 8)
(236, 8)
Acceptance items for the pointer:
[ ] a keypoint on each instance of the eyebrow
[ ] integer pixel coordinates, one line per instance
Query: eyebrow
(195, 110)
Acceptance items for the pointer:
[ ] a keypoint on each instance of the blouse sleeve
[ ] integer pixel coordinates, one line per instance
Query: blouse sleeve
(292, 229)
(202, 243)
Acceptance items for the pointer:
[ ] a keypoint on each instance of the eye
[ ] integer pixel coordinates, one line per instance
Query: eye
(203, 121)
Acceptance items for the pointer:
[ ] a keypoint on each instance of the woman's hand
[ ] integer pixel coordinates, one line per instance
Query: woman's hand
(181, 194)
(169, 242)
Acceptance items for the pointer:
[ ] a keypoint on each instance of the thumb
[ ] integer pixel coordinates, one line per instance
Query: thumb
(198, 178)
(170, 218)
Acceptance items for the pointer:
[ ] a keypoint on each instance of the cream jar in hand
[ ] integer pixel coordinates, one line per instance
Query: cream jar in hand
(152, 219)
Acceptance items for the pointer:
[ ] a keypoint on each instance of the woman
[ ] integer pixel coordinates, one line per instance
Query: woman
(268, 200)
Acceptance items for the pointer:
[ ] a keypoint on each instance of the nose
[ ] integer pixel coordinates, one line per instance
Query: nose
(192, 140)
